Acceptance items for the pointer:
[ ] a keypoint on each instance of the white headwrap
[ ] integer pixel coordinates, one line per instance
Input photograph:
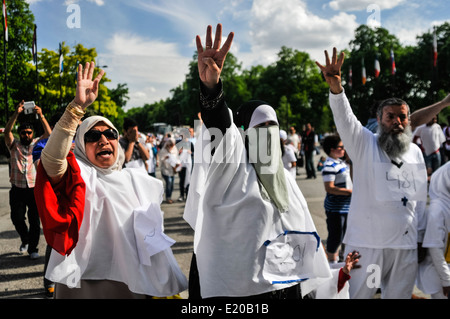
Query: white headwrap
(80, 149)
(263, 113)
(283, 135)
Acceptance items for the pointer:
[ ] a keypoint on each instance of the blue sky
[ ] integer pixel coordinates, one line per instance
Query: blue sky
(149, 43)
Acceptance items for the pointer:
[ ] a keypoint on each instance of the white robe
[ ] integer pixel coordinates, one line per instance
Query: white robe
(232, 219)
(112, 246)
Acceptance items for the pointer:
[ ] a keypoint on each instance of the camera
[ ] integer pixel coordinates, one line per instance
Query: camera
(28, 107)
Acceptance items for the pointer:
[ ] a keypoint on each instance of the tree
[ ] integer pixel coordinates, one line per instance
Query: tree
(292, 80)
(416, 80)
(368, 45)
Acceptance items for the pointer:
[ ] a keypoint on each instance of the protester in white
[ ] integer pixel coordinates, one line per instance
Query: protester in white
(245, 211)
(116, 247)
(386, 218)
(296, 140)
(434, 271)
(185, 169)
(432, 137)
(170, 164)
(151, 163)
(289, 158)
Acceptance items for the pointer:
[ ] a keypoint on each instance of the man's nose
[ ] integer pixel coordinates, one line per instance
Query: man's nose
(397, 120)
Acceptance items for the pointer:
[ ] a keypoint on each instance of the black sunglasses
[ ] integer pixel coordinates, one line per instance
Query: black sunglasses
(93, 136)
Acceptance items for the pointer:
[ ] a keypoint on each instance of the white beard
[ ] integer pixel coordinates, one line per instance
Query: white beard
(394, 145)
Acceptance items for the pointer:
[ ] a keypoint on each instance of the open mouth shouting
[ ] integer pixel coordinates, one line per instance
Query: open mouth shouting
(106, 154)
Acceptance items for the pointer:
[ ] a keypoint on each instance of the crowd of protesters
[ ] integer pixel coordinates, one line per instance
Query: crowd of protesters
(97, 191)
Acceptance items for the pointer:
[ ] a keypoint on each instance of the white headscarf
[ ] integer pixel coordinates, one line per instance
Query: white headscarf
(263, 113)
(80, 149)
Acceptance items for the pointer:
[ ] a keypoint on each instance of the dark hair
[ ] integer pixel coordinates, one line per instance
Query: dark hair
(25, 126)
(391, 101)
(127, 123)
(329, 142)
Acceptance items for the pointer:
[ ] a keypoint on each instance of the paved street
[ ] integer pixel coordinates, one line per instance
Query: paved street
(21, 277)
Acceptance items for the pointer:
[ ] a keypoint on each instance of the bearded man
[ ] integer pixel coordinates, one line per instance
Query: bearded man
(386, 216)
(22, 178)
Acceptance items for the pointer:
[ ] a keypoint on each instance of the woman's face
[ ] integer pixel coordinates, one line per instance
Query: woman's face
(103, 152)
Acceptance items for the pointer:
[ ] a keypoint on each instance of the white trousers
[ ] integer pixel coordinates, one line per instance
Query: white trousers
(394, 271)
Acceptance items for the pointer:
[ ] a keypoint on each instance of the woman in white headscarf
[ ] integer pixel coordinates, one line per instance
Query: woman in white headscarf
(254, 235)
(434, 271)
(105, 228)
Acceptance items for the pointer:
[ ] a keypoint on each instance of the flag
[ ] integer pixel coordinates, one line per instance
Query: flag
(435, 52)
(350, 77)
(76, 71)
(34, 47)
(6, 21)
(393, 68)
(364, 78)
(61, 60)
(377, 67)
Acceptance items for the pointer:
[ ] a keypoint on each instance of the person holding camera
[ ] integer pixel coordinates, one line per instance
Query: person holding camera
(22, 177)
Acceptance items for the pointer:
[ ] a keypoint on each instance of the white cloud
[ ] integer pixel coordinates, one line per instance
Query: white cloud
(278, 23)
(359, 5)
(408, 23)
(68, 2)
(185, 16)
(32, 1)
(151, 68)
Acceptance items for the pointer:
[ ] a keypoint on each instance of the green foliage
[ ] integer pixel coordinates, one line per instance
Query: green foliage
(57, 90)
(18, 48)
(416, 81)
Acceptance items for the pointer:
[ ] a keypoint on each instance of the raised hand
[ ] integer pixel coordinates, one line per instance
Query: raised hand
(20, 107)
(351, 262)
(87, 89)
(212, 57)
(332, 71)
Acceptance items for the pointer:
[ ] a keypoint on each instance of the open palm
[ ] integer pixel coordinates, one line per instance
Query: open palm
(212, 58)
(87, 88)
(332, 70)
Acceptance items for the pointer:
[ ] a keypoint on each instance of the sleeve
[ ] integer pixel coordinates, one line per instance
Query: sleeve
(442, 137)
(290, 154)
(53, 156)
(343, 278)
(353, 134)
(435, 232)
(215, 113)
(440, 265)
(328, 173)
(61, 206)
